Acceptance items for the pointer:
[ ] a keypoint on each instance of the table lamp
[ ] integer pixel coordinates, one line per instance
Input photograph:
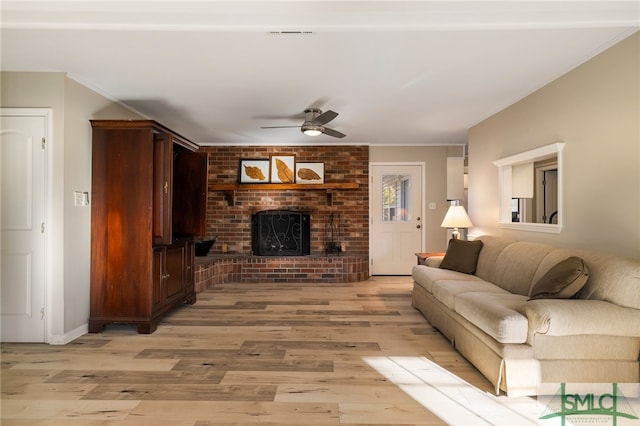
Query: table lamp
(455, 218)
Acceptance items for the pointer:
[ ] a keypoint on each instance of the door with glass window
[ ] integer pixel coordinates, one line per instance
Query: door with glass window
(396, 217)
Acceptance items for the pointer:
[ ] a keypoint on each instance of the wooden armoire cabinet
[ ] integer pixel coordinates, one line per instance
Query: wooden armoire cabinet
(149, 191)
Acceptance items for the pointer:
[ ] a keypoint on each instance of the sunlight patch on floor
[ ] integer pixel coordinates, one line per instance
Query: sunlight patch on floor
(452, 399)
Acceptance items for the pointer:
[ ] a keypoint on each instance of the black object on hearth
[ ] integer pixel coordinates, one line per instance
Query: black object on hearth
(202, 247)
(333, 244)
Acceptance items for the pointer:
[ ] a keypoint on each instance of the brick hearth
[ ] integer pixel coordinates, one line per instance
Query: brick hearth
(220, 269)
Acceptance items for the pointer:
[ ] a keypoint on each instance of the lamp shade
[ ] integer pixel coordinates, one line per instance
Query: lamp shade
(456, 217)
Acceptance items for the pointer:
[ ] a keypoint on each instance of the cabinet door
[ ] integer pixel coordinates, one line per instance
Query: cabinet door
(162, 187)
(190, 273)
(158, 271)
(121, 225)
(190, 174)
(175, 265)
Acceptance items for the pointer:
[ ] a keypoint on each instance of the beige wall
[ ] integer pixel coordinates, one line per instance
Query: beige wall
(81, 104)
(595, 111)
(435, 181)
(68, 239)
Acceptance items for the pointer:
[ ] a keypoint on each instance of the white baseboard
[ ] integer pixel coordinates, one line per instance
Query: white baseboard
(63, 339)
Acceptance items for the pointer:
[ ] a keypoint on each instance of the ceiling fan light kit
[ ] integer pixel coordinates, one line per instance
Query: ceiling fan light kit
(312, 130)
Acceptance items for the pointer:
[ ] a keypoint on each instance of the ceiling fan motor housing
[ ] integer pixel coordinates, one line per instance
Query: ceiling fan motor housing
(312, 113)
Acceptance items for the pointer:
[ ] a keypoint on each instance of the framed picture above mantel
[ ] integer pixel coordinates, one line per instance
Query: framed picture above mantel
(253, 171)
(309, 172)
(282, 168)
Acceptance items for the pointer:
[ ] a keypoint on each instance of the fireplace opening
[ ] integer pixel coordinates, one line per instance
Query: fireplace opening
(281, 233)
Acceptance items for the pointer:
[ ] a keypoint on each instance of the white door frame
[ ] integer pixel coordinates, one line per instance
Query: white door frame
(47, 113)
(423, 204)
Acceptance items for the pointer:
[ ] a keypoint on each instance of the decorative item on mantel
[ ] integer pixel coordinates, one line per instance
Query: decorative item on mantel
(309, 172)
(455, 218)
(282, 168)
(253, 171)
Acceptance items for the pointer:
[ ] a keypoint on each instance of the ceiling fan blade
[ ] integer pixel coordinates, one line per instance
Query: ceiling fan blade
(277, 127)
(325, 117)
(334, 133)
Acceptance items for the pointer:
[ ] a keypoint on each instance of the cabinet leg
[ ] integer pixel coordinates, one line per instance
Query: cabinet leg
(147, 327)
(96, 326)
(144, 328)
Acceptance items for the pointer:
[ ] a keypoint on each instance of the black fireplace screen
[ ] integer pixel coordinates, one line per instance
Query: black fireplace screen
(280, 233)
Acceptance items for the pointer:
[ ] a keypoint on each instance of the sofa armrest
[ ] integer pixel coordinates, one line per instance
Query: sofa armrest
(564, 317)
(433, 261)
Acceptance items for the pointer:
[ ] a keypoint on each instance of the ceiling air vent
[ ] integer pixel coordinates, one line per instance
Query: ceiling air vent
(290, 32)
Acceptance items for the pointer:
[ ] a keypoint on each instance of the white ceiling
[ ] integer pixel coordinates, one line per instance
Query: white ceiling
(398, 73)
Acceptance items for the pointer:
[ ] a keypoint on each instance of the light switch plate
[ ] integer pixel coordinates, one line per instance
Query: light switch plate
(80, 199)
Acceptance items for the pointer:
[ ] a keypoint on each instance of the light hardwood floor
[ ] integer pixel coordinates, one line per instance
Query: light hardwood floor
(294, 354)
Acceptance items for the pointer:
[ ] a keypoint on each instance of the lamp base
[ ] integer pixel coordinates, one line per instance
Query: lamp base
(455, 234)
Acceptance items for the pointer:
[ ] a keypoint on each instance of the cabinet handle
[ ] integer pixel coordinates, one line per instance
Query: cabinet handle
(166, 276)
(166, 187)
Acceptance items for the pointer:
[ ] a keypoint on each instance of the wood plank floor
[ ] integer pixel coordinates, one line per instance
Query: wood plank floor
(247, 354)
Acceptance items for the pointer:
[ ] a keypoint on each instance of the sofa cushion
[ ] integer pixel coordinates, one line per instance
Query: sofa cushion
(497, 314)
(516, 266)
(491, 248)
(446, 291)
(426, 276)
(462, 256)
(562, 281)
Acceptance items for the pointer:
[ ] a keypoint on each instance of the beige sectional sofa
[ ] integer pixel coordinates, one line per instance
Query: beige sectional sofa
(517, 343)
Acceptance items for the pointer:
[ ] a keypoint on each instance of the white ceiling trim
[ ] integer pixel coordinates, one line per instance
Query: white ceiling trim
(317, 15)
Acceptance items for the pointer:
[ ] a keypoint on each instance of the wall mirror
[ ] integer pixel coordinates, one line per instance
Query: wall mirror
(530, 189)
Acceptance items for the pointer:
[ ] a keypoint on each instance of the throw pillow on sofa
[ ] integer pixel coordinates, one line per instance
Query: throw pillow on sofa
(562, 281)
(462, 256)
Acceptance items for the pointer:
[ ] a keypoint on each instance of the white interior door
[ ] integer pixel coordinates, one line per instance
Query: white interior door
(22, 265)
(396, 217)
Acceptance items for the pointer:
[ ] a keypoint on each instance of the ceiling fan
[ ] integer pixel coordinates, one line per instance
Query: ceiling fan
(314, 123)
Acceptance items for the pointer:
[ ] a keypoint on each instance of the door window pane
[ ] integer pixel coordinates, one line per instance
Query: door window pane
(395, 198)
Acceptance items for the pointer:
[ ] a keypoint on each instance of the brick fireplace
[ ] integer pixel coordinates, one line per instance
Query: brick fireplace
(345, 212)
